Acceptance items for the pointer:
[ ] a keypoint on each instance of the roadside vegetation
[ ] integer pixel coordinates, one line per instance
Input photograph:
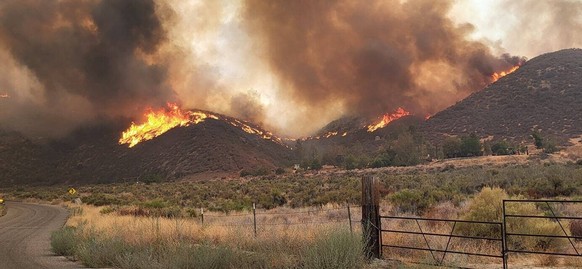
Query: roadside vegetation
(154, 223)
(413, 191)
(111, 240)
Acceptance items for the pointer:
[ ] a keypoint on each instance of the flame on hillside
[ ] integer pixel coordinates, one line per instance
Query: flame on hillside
(157, 123)
(387, 118)
(4, 95)
(496, 76)
(160, 121)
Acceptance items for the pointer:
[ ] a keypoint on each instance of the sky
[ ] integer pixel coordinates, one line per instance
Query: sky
(291, 66)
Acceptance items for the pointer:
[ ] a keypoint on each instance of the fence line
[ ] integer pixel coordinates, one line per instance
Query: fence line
(253, 222)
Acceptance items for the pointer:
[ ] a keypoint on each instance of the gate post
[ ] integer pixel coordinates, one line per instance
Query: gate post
(503, 235)
(371, 224)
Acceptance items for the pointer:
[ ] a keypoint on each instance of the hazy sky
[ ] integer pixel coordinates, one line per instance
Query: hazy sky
(292, 66)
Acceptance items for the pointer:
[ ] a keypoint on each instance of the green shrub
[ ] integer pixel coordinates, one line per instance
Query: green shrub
(500, 148)
(2, 210)
(64, 241)
(470, 146)
(95, 250)
(411, 200)
(107, 210)
(452, 147)
(339, 249)
(487, 206)
(152, 178)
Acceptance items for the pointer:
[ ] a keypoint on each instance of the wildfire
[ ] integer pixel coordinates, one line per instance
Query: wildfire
(399, 113)
(157, 123)
(496, 76)
(161, 121)
(4, 95)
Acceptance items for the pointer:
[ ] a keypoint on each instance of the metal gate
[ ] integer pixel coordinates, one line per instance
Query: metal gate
(552, 216)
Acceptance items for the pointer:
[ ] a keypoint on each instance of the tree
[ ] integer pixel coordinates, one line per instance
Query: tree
(316, 164)
(470, 145)
(452, 147)
(500, 148)
(538, 139)
(406, 151)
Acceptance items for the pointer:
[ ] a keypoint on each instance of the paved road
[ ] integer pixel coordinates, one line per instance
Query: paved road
(25, 237)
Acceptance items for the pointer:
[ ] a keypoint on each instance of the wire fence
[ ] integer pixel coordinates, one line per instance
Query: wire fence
(260, 220)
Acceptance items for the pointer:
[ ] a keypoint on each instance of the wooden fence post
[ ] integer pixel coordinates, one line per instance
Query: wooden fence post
(255, 218)
(350, 217)
(202, 215)
(371, 216)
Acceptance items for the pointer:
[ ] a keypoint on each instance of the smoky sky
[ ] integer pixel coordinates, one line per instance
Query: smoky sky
(92, 55)
(67, 63)
(372, 56)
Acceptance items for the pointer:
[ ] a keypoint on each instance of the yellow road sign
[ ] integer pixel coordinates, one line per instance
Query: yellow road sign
(72, 191)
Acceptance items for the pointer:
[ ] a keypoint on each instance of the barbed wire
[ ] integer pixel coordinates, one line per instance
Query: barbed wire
(275, 213)
(275, 224)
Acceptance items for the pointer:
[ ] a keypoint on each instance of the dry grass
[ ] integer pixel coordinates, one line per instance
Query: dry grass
(283, 237)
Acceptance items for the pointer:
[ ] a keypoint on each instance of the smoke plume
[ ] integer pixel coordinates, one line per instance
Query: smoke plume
(372, 56)
(67, 63)
(82, 60)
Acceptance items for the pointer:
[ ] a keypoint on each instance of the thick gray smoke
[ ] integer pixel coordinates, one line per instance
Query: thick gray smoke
(85, 59)
(70, 62)
(372, 56)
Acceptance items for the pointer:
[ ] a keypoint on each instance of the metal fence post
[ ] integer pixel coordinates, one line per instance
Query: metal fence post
(255, 218)
(350, 217)
(503, 236)
(371, 216)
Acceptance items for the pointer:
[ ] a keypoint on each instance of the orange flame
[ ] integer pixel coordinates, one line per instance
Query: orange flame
(4, 95)
(158, 122)
(399, 113)
(496, 76)
(161, 121)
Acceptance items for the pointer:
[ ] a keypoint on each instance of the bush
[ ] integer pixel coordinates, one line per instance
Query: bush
(487, 206)
(339, 249)
(538, 139)
(500, 148)
(452, 147)
(63, 241)
(411, 200)
(470, 146)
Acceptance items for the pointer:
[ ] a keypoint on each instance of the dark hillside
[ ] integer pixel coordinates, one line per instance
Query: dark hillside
(545, 95)
(93, 155)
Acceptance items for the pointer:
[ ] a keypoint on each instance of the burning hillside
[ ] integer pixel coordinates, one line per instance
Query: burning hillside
(544, 95)
(160, 121)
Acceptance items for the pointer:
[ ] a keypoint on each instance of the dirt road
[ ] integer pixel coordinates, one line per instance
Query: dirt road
(25, 237)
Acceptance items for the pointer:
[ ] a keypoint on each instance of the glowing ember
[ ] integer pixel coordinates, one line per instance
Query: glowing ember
(496, 76)
(399, 113)
(4, 95)
(158, 122)
(330, 134)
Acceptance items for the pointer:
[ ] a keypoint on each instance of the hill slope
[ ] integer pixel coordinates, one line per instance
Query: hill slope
(93, 154)
(545, 94)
